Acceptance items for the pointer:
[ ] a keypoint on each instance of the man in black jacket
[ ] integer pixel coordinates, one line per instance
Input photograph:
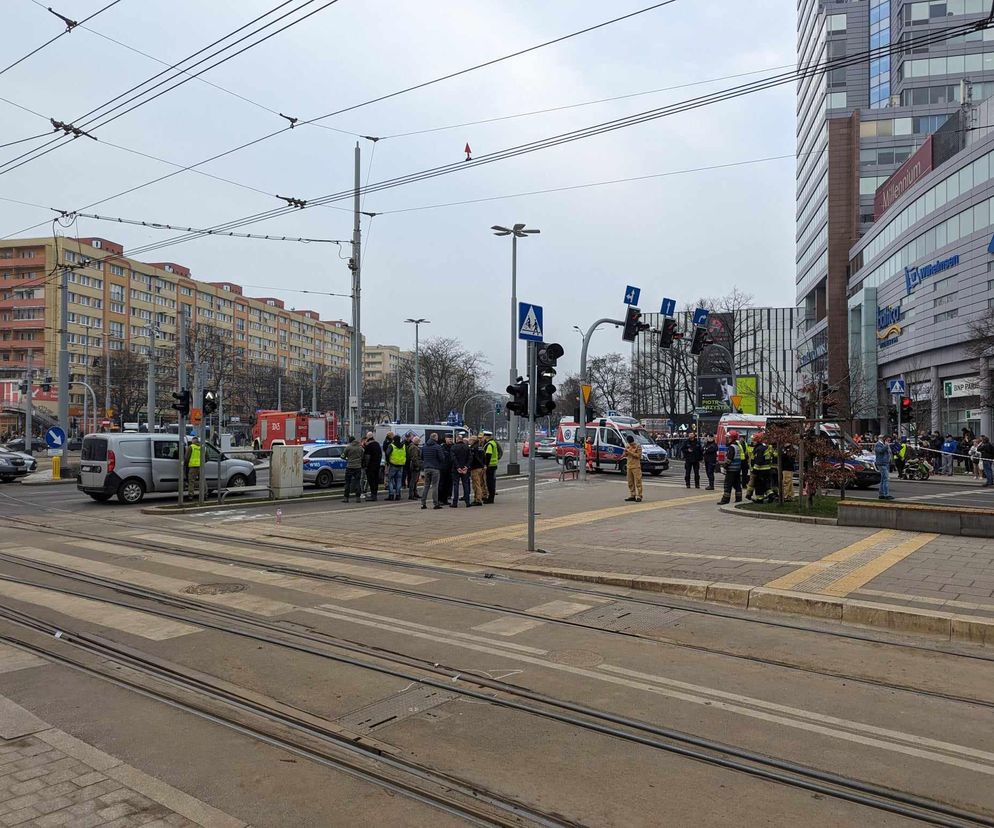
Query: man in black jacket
(432, 460)
(445, 476)
(460, 471)
(692, 453)
(372, 455)
(710, 459)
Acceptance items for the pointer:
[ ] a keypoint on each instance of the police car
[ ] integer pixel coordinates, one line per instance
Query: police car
(324, 464)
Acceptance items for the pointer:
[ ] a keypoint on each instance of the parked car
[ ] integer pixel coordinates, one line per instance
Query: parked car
(131, 464)
(37, 444)
(29, 459)
(324, 464)
(545, 447)
(12, 466)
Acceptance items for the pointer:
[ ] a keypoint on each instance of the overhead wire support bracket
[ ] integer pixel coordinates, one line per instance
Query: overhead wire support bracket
(293, 121)
(70, 24)
(69, 129)
(293, 202)
(372, 138)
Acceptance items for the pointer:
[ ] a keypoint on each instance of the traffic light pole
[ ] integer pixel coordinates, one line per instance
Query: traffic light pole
(64, 364)
(29, 405)
(181, 418)
(532, 399)
(583, 381)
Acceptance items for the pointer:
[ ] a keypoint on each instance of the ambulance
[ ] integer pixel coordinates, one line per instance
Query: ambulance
(610, 436)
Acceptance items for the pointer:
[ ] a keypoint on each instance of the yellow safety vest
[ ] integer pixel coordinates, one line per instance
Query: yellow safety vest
(493, 453)
(398, 457)
(194, 455)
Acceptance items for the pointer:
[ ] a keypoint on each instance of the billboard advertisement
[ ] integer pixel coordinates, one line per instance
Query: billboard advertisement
(721, 330)
(747, 390)
(714, 393)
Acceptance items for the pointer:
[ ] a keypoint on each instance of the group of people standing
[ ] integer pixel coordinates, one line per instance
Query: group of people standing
(448, 468)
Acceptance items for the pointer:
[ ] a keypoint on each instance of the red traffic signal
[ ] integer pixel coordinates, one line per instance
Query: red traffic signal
(906, 405)
(633, 324)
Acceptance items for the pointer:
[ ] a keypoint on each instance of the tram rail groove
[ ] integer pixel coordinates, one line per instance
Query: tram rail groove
(501, 609)
(683, 744)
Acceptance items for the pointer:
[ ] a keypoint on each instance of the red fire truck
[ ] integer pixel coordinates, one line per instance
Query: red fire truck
(293, 428)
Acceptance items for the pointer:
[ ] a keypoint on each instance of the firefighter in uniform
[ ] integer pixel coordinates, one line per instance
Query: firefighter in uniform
(762, 465)
(736, 464)
(633, 466)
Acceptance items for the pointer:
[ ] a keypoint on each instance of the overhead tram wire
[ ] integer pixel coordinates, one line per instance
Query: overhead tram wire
(642, 117)
(88, 124)
(423, 85)
(64, 32)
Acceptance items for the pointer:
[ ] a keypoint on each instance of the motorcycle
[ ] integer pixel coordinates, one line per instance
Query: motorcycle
(918, 469)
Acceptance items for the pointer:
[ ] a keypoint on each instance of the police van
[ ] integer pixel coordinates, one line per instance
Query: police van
(610, 435)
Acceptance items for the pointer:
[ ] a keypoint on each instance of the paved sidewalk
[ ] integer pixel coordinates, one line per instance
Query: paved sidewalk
(49, 778)
(675, 541)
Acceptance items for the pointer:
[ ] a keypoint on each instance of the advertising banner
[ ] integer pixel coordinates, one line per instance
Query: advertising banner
(919, 164)
(747, 389)
(714, 393)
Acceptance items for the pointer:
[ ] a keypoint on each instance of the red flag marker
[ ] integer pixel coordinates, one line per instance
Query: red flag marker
(468, 152)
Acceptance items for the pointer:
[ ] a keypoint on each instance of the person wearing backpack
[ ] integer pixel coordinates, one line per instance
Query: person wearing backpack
(493, 453)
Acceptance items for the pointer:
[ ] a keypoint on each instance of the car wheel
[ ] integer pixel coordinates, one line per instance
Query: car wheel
(324, 479)
(623, 466)
(131, 491)
(863, 485)
(656, 472)
(100, 498)
(237, 481)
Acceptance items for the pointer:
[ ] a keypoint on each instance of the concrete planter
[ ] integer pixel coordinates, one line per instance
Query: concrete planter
(946, 520)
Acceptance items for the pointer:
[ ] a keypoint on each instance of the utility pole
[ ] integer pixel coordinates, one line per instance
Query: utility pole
(29, 404)
(198, 400)
(582, 425)
(314, 387)
(181, 420)
(107, 378)
(86, 380)
(150, 400)
(532, 399)
(279, 392)
(64, 364)
(355, 403)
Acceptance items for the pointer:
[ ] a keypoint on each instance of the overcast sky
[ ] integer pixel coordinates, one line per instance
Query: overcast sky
(678, 235)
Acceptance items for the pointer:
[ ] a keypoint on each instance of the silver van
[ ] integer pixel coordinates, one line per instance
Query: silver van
(130, 465)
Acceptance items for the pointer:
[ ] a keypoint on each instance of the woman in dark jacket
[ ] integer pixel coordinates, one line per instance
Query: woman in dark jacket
(372, 456)
(710, 454)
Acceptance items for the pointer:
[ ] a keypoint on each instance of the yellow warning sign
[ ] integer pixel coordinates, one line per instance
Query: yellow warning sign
(736, 401)
(585, 390)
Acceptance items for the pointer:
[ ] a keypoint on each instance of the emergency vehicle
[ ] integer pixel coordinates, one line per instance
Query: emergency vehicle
(293, 428)
(610, 437)
(862, 465)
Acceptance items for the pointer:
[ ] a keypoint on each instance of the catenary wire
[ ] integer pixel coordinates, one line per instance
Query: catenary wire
(66, 31)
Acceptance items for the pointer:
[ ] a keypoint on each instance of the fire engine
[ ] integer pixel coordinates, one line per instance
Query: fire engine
(293, 428)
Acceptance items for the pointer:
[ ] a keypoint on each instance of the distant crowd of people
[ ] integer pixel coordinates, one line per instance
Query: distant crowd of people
(446, 470)
(971, 454)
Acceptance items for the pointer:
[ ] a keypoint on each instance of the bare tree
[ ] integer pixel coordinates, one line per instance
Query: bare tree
(128, 383)
(611, 378)
(449, 376)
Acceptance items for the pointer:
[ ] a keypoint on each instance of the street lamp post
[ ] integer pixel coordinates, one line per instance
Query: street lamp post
(516, 232)
(582, 425)
(417, 323)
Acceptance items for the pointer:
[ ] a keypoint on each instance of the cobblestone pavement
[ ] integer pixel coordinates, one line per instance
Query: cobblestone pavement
(48, 778)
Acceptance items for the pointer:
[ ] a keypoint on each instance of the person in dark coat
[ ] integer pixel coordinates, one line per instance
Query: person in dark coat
(461, 459)
(710, 454)
(445, 476)
(372, 457)
(692, 453)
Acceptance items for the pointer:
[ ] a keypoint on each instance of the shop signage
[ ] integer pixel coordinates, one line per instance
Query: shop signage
(901, 181)
(888, 325)
(812, 355)
(914, 276)
(962, 387)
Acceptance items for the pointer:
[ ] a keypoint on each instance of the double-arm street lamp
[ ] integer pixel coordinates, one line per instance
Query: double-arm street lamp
(417, 323)
(516, 232)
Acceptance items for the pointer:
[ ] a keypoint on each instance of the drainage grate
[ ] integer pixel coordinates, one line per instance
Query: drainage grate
(395, 708)
(634, 618)
(214, 589)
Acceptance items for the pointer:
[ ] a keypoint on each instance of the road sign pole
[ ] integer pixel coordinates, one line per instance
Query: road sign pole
(582, 425)
(532, 395)
(897, 403)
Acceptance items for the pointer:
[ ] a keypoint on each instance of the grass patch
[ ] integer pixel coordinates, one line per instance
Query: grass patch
(823, 507)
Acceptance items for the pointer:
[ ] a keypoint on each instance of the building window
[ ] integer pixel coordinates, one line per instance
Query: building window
(948, 299)
(836, 23)
(836, 100)
(946, 315)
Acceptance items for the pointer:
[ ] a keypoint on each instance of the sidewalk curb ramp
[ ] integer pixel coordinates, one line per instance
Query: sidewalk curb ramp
(733, 509)
(964, 628)
(966, 521)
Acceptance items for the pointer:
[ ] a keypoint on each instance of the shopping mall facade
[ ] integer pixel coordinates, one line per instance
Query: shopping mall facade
(921, 278)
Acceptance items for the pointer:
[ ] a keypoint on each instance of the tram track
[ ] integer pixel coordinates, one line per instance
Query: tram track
(500, 609)
(510, 696)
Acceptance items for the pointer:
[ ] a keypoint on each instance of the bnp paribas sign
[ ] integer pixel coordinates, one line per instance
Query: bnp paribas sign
(914, 276)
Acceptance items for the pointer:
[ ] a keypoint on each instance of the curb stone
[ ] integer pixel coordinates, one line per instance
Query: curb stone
(735, 510)
(954, 627)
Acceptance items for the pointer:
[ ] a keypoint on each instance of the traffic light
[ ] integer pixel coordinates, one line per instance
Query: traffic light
(210, 403)
(906, 408)
(699, 341)
(668, 334)
(518, 404)
(546, 355)
(182, 404)
(23, 387)
(633, 324)
(46, 384)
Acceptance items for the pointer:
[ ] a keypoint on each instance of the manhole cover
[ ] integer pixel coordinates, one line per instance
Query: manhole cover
(214, 589)
(576, 658)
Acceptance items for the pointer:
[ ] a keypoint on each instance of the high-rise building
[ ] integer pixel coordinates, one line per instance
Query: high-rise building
(856, 126)
(381, 363)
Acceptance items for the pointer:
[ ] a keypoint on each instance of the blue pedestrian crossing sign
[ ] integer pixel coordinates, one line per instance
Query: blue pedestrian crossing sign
(529, 322)
(897, 386)
(668, 307)
(701, 317)
(632, 295)
(55, 437)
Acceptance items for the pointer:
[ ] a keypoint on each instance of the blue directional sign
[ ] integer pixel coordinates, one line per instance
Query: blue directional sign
(529, 322)
(668, 308)
(701, 317)
(897, 386)
(990, 247)
(55, 437)
(632, 295)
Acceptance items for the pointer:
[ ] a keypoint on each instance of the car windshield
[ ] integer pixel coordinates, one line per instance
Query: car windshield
(640, 437)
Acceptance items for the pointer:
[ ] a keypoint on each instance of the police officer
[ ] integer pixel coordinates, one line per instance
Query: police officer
(492, 452)
(193, 467)
(736, 464)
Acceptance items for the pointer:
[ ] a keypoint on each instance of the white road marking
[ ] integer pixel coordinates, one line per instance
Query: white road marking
(851, 731)
(508, 625)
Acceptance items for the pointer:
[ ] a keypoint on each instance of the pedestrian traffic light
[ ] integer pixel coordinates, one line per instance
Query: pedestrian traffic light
(633, 324)
(699, 341)
(668, 334)
(209, 403)
(546, 356)
(46, 384)
(906, 408)
(182, 404)
(23, 387)
(518, 404)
